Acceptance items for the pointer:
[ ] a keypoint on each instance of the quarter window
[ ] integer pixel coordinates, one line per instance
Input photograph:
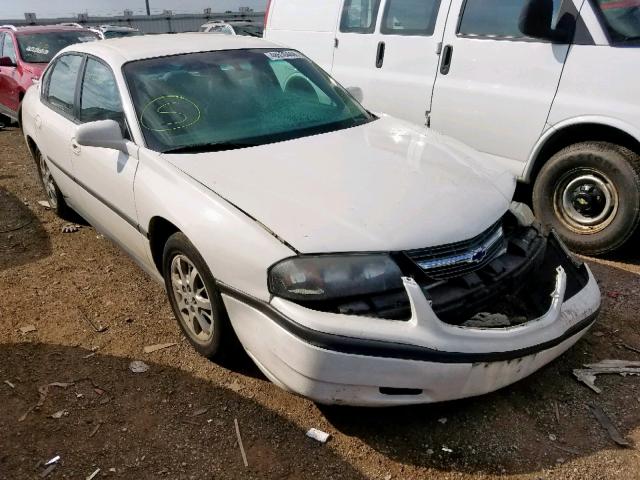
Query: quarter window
(9, 49)
(359, 16)
(495, 18)
(410, 17)
(62, 82)
(99, 98)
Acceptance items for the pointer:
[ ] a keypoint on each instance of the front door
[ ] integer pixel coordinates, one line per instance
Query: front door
(496, 86)
(105, 177)
(9, 95)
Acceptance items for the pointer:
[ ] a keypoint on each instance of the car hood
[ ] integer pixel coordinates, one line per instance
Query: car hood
(383, 186)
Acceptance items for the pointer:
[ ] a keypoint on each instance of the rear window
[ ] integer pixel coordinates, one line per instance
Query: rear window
(42, 47)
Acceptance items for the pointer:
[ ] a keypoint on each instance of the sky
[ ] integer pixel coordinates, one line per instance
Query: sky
(15, 9)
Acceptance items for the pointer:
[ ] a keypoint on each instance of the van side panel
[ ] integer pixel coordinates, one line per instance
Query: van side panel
(306, 25)
(600, 81)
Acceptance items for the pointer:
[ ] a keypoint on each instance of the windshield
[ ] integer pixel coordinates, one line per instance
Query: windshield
(121, 33)
(238, 98)
(249, 30)
(621, 18)
(42, 47)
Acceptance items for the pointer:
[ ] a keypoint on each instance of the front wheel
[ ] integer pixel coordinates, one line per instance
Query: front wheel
(590, 194)
(195, 300)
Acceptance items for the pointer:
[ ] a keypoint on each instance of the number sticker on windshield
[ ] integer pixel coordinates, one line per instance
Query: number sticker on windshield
(284, 55)
(39, 51)
(170, 112)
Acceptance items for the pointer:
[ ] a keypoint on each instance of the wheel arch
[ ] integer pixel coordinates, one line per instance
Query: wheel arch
(160, 229)
(32, 146)
(575, 131)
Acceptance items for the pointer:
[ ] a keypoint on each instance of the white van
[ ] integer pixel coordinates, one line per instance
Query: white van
(548, 88)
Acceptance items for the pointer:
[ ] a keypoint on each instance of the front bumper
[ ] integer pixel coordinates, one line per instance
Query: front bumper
(339, 359)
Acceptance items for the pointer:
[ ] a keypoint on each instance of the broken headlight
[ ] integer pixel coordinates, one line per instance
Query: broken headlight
(328, 277)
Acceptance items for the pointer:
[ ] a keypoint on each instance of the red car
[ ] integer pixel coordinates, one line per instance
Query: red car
(24, 54)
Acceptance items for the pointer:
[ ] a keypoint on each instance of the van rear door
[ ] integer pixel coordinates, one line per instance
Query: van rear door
(394, 59)
(496, 85)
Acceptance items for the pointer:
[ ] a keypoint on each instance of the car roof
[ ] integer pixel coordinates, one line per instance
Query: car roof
(119, 51)
(43, 29)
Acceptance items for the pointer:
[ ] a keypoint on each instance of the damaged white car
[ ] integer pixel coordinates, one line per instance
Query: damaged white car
(359, 259)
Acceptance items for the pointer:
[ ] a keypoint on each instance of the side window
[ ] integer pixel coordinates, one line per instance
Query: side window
(494, 18)
(99, 96)
(359, 16)
(9, 49)
(1, 42)
(410, 17)
(61, 91)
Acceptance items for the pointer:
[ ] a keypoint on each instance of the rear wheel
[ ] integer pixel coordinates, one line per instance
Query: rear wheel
(590, 194)
(54, 196)
(195, 299)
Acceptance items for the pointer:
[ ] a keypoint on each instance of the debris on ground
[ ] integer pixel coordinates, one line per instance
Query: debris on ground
(44, 204)
(234, 386)
(95, 430)
(59, 414)
(70, 228)
(318, 435)
(556, 410)
(630, 348)
(552, 437)
(138, 366)
(447, 449)
(200, 411)
(161, 346)
(28, 329)
(97, 328)
(244, 455)
(10, 384)
(55, 459)
(443, 420)
(93, 475)
(605, 367)
(48, 470)
(608, 425)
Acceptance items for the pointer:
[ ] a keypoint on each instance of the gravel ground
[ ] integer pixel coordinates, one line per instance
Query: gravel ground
(177, 419)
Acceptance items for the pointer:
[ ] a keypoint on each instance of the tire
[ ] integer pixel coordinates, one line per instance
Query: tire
(220, 343)
(54, 196)
(590, 194)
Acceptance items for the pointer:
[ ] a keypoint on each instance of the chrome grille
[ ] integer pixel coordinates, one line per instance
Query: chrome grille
(458, 259)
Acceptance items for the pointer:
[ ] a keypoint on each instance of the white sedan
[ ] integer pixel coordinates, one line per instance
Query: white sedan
(359, 259)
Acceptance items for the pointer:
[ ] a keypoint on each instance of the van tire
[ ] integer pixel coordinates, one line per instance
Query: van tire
(590, 194)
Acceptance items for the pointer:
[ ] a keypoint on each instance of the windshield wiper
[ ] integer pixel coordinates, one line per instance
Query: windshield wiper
(208, 147)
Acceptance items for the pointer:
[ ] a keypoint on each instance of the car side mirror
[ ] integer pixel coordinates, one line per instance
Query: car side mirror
(7, 62)
(102, 134)
(536, 20)
(357, 93)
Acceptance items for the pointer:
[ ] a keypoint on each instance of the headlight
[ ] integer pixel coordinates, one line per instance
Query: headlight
(317, 278)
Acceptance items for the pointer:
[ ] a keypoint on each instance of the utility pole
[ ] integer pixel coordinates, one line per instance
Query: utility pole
(148, 9)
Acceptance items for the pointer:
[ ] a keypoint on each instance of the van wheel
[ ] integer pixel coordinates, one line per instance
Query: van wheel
(590, 193)
(54, 196)
(195, 300)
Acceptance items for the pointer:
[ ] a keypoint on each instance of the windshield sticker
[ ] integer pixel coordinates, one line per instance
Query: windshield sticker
(39, 51)
(170, 112)
(284, 55)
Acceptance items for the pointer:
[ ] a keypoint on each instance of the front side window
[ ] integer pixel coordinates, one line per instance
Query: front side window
(232, 99)
(495, 18)
(9, 49)
(359, 16)
(99, 96)
(621, 19)
(62, 82)
(42, 47)
(410, 17)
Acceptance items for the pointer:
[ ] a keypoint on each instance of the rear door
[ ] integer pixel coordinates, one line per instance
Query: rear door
(407, 45)
(9, 96)
(496, 86)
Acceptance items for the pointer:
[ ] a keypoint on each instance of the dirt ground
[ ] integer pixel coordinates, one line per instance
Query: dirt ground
(177, 420)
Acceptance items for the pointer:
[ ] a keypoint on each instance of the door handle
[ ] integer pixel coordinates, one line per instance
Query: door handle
(75, 147)
(445, 63)
(380, 55)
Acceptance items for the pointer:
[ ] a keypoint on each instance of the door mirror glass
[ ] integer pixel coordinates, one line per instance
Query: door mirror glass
(357, 93)
(536, 21)
(6, 62)
(102, 134)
